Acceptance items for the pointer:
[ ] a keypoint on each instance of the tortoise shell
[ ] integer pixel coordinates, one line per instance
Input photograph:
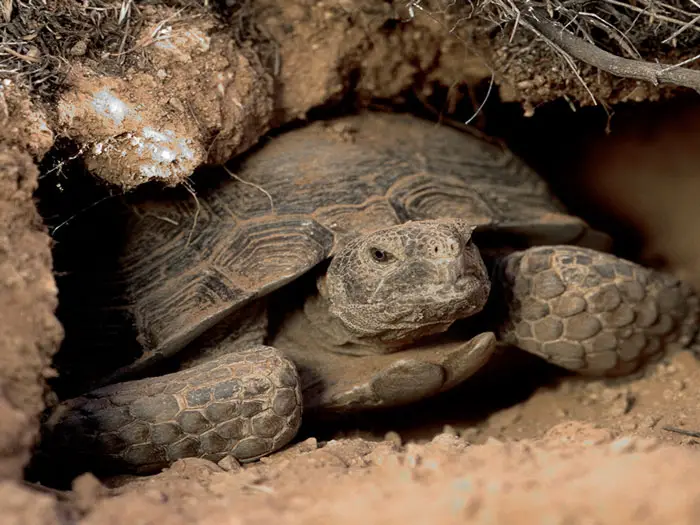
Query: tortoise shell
(186, 263)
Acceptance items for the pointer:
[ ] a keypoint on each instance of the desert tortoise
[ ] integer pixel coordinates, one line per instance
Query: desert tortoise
(384, 213)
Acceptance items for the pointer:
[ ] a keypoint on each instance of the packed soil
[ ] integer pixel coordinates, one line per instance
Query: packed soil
(522, 442)
(29, 331)
(151, 92)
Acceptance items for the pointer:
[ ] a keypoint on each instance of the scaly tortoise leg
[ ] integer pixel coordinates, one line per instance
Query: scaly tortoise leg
(591, 312)
(246, 404)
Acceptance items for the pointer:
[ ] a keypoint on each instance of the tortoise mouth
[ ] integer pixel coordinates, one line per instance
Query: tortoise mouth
(410, 320)
(470, 290)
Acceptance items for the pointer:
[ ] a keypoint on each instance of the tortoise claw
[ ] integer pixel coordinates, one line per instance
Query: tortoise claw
(406, 381)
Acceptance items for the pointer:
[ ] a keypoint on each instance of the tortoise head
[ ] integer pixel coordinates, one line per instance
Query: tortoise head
(398, 284)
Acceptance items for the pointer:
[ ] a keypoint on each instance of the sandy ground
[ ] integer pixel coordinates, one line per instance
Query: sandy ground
(575, 474)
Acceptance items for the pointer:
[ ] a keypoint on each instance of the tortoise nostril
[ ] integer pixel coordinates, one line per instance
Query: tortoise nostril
(443, 248)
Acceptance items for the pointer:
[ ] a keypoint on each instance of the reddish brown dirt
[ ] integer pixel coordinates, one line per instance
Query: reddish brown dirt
(29, 332)
(23, 506)
(366, 49)
(640, 406)
(192, 98)
(193, 95)
(575, 474)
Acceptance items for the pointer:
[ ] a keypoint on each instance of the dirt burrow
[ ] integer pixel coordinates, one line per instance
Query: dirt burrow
(575, 451)
(29, 332)
(192, 94)
(192, 97)
(631, 469)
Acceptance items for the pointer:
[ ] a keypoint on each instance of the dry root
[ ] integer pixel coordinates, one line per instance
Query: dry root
(623, 38)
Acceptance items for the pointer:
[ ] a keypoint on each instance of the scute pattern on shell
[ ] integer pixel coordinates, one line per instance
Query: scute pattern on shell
(188, 262)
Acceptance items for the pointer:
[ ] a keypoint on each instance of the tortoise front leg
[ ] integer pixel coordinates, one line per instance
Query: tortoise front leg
(592, 312)
(246, 403)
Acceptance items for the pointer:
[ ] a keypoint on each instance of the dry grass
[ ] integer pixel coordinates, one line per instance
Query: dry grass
(651, 40)
(39, 39)
(627, 38)
(630, 28)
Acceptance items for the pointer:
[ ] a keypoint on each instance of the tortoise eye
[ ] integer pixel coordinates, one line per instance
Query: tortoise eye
(380, 255)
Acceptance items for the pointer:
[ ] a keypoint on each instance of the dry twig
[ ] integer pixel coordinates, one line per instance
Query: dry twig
(613, 64)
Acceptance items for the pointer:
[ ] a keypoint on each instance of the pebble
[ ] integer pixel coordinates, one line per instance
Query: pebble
(394, 438)
(230, 464)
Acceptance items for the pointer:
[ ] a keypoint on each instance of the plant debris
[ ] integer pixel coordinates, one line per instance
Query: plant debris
(649, 40)
(41, 39)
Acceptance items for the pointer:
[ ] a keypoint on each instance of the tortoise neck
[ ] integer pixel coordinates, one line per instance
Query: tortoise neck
(328, 326)
(332, 334)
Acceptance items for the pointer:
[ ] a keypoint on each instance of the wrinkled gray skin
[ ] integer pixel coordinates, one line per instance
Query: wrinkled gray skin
(364, 340)
(390, 288)
(369, 336)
